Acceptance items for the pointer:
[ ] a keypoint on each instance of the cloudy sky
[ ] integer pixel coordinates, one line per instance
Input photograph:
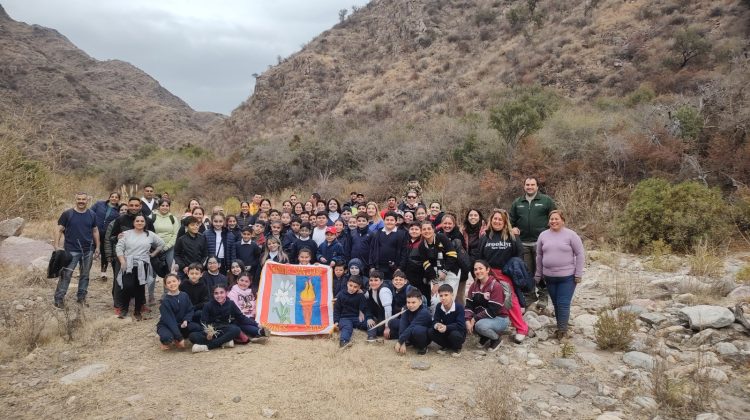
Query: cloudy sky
(205, 52)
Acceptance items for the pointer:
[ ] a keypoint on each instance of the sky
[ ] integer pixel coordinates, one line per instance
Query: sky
(205, 52)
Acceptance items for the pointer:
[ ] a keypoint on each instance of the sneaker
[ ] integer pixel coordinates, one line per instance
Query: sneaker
(59, 305)
(456, 353)
(518, 338)
(372, 340)
(495, 345)
(422, 352)
(345, 344)
(199, 348)
(259, 340)
(228, 345)
(442, 351)
(138, 317)
(483, 342)
(118, 311)
(263, 332)
(103, 277)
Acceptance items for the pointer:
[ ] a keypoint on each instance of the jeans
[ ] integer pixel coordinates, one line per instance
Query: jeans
(372, 333)
(347, 326)
(491, 327)
(227, 334)
(67, 273)
(452, 279)
(561, 291)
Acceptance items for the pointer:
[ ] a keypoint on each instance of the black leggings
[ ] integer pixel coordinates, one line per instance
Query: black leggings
(131, 288)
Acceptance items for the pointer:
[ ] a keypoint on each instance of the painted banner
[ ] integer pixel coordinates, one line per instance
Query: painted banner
(295, 299)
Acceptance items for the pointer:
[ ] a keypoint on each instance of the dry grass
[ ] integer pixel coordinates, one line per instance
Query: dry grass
(608, 258)
(661, 257)
(683, 397)
(705, 261)
(623, 287)
(743, 275)
(614, 332)
(494, 405)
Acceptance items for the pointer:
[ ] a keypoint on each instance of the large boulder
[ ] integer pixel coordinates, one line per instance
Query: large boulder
(12, 227)
(707, 316)
(22, 252)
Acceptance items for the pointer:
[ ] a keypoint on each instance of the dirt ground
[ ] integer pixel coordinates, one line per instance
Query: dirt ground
(295, 377)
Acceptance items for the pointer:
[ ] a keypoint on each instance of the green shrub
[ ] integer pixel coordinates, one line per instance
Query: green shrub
(688, 44)
(522, 114)
(743, 275)
(691, 122)
(643, 94)
(680, 215)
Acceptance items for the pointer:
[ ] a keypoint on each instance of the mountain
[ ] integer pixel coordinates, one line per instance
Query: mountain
(417, 60)
(84, 109)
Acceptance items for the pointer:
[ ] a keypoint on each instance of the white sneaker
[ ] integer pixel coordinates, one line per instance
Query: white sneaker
(199, 348)
(518, 338)
(228, 345)
(258, 340)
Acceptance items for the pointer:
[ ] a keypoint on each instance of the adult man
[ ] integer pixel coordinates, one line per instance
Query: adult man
(78, 224)
(149, 201)
(528, 216)
(391, 204)
(352, 199)
(255, 205)
(411, 203)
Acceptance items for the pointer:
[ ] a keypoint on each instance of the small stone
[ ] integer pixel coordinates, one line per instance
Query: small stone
(701, 317)
(84, 373)
(535, 363)
(603, 389)
(618, 374)
(419, 365)
(604, 403)
(72, 399)
(135, 399)
(544, 320)
(503, 360)
(542, 334)
(638, 359)
(647, 403)
(564, 363)
(546, 414)
(268, 412)
(236, 399)
(686, 298)
(533, 356)
(426, 412)
(441, 398)
(707, 416)
(634, 309)
(652, 318)
(480, 352)
(210, 415)
(534, 324)
(608, 416)
(726, 349)
(740, 293)
(567, 391)
(20, 307)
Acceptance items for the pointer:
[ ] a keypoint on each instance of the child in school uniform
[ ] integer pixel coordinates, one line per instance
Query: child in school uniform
(415, 323)
(348, 311)
(339, 278)
(196, 289)
(448, 324)
(379, 301)
(330, 251)
(400, 288)
(213, 277)
(176, 315)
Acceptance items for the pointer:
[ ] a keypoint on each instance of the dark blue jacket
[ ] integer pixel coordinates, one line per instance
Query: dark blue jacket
(299, 244)
(515, 268)
(409, 320)
(399, 298)
(385, 249)
(105, 214)
(331, 252)
(250, 255)
(224, 314)
(358, 245)
(214, 280)
(339, 284)
(175, 309)
(454, 321)
(287, 242)
(345, 239)
(197, 292)
(244, 220)
(348, 305)
(228, 242)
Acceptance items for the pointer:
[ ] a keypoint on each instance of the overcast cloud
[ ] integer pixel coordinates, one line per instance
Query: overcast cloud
(205, 52)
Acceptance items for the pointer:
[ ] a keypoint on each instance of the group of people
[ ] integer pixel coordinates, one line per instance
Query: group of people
(408, 258)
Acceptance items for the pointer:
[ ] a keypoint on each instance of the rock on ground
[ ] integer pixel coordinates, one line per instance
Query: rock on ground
(84, 373)
(425, 412)
(707, 316)
(567, 391)
(739, 293)
(419, 365)
(638, 359)
(268, 412)
(12, 227)
(20, 251)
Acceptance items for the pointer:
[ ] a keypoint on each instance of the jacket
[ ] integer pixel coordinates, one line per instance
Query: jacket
(531, 218)
(166, 227)
(221, 314)
(105, 214)
(439, 255)
(59, 260)
(228, 243)
(348, 305)
(331, 252)
(190, 249)
(497, 251)
(197, 292)
(175, 309)
(515, 268)
(409, 320)
(478, 306)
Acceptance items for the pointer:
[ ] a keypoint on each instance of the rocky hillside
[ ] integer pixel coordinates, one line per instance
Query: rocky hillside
(396, 60)
(81, 107)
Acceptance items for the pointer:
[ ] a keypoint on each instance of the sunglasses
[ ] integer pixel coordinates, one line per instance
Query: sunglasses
(411, 196)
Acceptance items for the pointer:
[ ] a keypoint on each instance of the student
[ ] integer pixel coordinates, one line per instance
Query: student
(319, 232)
(343, 237)
(219, 314)
(487, 306)
(379, 305)
(248, 250)
(176, 315)
(258, 228)
(305, 257)
(286, 224)
(339, 277)
(401, 288)
(196, 289)
(198, 213)
(274, 230)
(273, 252)
(220, 242)
(243, 296)
(213, 277)
(412, 264)
(233, 227)
(415, 323)
(236, 270)
(191, 247)
(330, 251)
(436, 214)
(292, 234)
(358, 245)
(357, 268)
(348, 311)
(448, 324)
(386, 247)
(304, 241)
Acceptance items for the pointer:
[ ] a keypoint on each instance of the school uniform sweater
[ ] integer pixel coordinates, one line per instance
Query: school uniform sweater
(386, 248)
(339, 284)
(174, 310)
(348, 305)
(197, 292)
(299, 243)
(213, 280)
(358, 245)
(419, 318)
(454, 319)
(226, 313)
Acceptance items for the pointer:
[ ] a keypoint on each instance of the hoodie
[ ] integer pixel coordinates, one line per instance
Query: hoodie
(244, 299)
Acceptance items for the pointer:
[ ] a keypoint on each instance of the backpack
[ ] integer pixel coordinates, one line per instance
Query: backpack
(153, 218)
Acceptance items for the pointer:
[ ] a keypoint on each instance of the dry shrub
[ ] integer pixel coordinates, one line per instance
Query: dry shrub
(70, 321)
(705, 261)
(608, 258)
(614, 331)
(604, 202)
(495, 405)
(743, 275)
(25, 329)
(661, 258)
(682, 397)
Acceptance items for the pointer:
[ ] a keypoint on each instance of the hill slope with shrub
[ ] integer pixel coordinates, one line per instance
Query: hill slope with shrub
(81, 107)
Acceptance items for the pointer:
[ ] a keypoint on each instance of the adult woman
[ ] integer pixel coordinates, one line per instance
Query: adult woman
(487, 306)
(333, 211)
(192, 204)
(106, 211)
(197, 213)
(220, 242)
(449, 227)
(436, 214)
(559, 260)
(439, 259)
(309, 207)
(244, 218)
(373, 216)
(273, 252)
(286, 206)
(420, 214)
(298, 209)
(265, 205)
(497, 248)
(166, 227)
(134, 251)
